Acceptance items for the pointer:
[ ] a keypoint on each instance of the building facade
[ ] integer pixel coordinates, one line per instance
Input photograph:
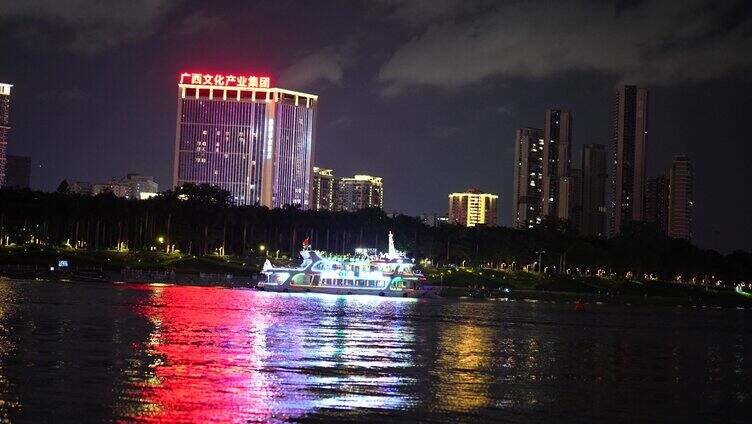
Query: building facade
(629, 144)
(656, 202)
(557, 134)
(528, 177)
(17, 171)
(472, 208)
(133, 186)
(594, 180)
(359, 192)
(570, 198)
(142, 186)
(680, 203)
(116, 187)
(84, 188)
(325, 189)
(242, 135)
(4, 127)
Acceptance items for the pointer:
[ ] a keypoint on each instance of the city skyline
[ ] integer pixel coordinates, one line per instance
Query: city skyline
(84, 126)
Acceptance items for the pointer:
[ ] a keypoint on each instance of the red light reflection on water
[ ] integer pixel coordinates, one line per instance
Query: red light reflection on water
(207, 352)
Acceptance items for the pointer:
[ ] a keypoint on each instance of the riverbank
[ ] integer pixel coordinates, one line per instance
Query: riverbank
(481, 284)
(43, 263)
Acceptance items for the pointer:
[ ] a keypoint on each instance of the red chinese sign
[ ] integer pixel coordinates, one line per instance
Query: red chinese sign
(219, 80)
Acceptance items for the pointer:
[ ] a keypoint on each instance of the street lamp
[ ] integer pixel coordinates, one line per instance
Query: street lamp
(540, 259)
(262, 248)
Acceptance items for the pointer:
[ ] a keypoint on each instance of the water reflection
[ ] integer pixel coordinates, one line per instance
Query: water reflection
(8, 399)
(238, 356)
(462, 370)
(93, 353)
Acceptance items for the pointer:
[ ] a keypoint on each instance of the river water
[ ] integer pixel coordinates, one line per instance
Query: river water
(149, 353)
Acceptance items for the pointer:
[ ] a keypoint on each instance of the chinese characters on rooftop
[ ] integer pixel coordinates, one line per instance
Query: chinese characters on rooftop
(219, 80)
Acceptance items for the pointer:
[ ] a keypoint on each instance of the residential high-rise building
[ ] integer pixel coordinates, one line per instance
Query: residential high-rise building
(325, 189)
(360, 192)
(472, 208)
(570, 198)
(528, 177)
(629, 144)
(17, 171)
(594, 176)
(557, 134)
(4, 127)
(680, 198)
(238, 133)
(656, 202)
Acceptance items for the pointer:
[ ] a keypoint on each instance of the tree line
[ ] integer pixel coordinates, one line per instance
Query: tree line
(201, 220)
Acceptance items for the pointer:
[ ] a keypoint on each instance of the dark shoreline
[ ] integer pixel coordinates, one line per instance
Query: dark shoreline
(456, 293)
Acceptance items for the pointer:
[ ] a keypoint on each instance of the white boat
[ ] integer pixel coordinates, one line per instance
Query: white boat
(364, 273)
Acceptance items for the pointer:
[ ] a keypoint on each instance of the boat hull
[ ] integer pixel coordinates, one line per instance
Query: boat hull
(345, 291)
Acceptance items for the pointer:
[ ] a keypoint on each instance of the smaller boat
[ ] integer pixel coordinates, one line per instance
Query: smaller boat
(579, 305)
(389, 274)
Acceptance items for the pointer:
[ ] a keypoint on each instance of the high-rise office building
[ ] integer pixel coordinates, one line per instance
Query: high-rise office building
(557, 134)
(17, 171)
(594, 176)
(629, 144)
(238, 133)
(325, 190)
(656, 202)
(680, 198)
(4, 127)
(528, 177)
(472, 208)
(360, 192)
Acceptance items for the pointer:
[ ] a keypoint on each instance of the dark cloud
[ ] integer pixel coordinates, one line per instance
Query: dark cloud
(324, 65)
(63, 95)
(90, 26)
(198, 22)
(422, 11)
(504, 110)
(657, 43)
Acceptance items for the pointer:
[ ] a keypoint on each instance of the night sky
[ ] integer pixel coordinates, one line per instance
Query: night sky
(427, 94)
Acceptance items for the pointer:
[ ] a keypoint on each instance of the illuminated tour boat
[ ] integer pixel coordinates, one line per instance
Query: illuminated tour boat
(366, 272)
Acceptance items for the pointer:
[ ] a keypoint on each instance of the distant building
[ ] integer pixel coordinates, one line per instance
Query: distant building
(117, 187)
(629, 144)
(81, 187)
(528, 177)
(238, 133)
(557, 134)
(656, 202)
(472, 208)
(594, 180)
(17, 171)
(433, 219)
(360, 192)
(142, 187)
(133, 186)
(680, 198)
(325, 190)
(4, 127)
